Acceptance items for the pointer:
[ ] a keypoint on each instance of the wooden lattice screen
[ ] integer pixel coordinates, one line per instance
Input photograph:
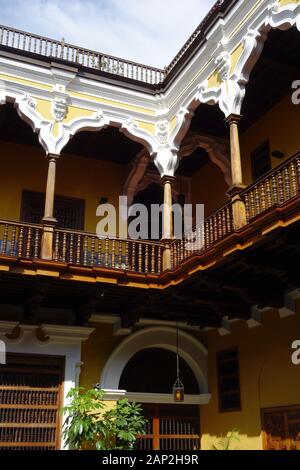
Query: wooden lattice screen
(171, 428)
(30, 398)
(281, 428)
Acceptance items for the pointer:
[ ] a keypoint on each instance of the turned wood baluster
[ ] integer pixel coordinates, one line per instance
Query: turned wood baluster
(220, 225)
(298, 173)
(153, 258)
(147, 259)
(173, 254)
(224, 225)
(247, 205)
(206, 234)
(13, 241)
(20, 242)
(294, 186)
(228, 220)
(140, 258)
(256, 201)
(280, 187)
(159, 260)
(113, 257)
(28, 242)
(106, 262)
(133, 257)
(287, 183)
(269, 202)
(263, 204)
(36, 243)
(56, 247)
(71, 253)
(211, 232)
(180, 250)
(99, 252)
(119, 254)
(251, 205)
(215, 229)
(5, 237)
(126, 255)
(64, 247)
(78, 250)
(85, 250)
(93, 249)
(274, 189)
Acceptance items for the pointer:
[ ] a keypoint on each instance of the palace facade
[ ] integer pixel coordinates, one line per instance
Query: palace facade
(219, 126)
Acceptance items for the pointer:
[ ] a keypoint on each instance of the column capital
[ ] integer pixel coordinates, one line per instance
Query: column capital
(52, 157)
(168, 179)
(234, 118)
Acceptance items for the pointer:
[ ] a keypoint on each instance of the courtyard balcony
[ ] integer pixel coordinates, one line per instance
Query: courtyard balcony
(275, 190)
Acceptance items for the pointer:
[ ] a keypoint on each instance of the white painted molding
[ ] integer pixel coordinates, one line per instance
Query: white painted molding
(160, 398)
(191, 350)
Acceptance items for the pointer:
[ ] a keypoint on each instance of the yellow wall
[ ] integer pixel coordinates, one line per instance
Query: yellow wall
(209, 187)
(268, 378)
(281, 126)
(95, 353)
(25, 167)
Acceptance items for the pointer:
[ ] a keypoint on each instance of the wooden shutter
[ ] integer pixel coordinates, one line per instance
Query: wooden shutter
(171, 428)
(30, 399)
(281, 427)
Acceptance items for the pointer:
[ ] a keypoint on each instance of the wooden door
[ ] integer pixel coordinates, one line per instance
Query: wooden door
(171, 428)
(281, 428)
(30, 399)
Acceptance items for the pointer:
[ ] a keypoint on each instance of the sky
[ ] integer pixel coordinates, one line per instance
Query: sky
(146, 31)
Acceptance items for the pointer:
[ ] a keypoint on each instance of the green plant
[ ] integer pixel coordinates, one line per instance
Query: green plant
(124, 422)
(88, 425)
(81, 426)
(225, 442)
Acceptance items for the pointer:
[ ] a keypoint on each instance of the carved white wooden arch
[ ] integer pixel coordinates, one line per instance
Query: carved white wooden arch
(191, 350)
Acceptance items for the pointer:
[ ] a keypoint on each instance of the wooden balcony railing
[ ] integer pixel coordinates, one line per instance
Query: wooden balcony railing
(215, 227)
(275, 188)
(86, 249)
(35, 44)
(20, 240)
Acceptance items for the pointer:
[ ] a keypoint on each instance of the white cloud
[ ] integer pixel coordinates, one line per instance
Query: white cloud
(141, 30)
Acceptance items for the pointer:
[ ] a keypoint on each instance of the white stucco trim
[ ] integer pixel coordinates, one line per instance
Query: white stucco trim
(190, 349)
(159, 398)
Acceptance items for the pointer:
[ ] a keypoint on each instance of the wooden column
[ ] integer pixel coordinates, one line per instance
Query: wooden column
(168, 229)
(48, 220)
(238, 206)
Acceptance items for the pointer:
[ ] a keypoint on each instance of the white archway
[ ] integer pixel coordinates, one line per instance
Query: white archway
(190, 349)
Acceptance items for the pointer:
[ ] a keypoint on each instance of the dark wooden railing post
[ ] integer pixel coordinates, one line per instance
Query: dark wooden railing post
(168, 229)
(238, 205)
(49, 220)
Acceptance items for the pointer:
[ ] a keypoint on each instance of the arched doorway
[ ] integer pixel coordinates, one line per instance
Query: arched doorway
(170, 427)
(143, 368)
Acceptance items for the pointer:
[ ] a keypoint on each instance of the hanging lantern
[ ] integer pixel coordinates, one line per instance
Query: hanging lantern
(178, 387)
(178, 391)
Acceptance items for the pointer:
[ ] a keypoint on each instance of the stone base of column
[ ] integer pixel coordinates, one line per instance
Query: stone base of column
(238, 212)
(47, 242)
(167, 256)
